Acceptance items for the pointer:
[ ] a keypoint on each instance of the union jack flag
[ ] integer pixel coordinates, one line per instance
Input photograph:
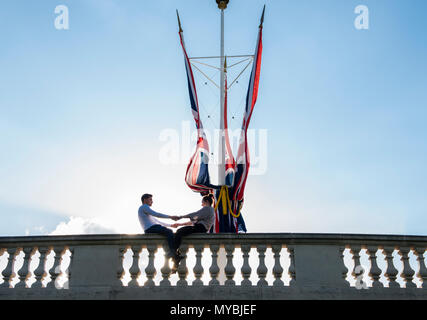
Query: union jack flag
(229, 198)
(197, 174)
(230, 163)
(230, 219)
(243, 160)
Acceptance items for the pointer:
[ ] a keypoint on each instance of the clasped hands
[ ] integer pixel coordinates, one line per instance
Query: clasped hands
(176, 218)
(176, 225)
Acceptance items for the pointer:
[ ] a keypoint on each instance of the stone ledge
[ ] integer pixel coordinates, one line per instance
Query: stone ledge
(214, 293)
(290, 238)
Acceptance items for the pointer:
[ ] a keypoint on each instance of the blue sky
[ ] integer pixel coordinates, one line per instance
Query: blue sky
(81, 112)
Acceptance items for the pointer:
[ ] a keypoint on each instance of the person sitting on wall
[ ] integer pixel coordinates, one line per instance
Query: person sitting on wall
(151, 225)
(201, 221)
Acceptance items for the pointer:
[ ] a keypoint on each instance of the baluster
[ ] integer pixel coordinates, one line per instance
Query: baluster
(69, 268)
(24, 272)
(422, 273)
(40, 272)
(407, 273)
(165, 270)
(55, 271)
(291, 270)
(355, 250)
(134, 269)
(391, 271)
(150, 270)
(2, 252)
(182, 268)
(246, 269)
(277, 269)
(262, 268)
(229, 269)
(8, 273)
(120, 270)
(198, 268)
(344, 269)
(375, 271)
(214, 269)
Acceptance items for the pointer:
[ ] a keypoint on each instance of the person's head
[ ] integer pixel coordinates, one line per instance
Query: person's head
(207, 200)
(147, 199)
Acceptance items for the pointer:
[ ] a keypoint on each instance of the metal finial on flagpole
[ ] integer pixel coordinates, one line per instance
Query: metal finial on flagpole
(179, 21)
(222, 4)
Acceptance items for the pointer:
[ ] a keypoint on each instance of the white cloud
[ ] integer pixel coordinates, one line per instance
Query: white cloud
(79, 225)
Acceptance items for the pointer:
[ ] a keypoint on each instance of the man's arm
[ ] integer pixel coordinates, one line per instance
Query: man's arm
(147, 210)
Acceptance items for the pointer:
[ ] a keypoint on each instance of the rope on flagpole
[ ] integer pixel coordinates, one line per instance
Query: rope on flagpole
(226, 203)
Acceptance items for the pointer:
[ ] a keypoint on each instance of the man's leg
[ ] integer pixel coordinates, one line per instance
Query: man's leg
(169, 236)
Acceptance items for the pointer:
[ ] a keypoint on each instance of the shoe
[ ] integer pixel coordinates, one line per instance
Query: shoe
(175, 266)
(176, 260)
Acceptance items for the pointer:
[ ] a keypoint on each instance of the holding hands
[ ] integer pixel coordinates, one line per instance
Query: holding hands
(176, 218)
(176, 225)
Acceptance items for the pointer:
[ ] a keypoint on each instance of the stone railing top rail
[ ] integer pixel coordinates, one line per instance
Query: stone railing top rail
(222, 238)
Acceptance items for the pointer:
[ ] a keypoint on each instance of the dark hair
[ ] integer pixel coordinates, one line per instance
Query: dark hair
(145, 196)
(208, 198)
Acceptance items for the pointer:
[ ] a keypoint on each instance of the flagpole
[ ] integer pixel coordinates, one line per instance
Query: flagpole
(221, 170)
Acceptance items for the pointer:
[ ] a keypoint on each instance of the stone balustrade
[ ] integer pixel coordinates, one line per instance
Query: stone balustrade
(215, 266)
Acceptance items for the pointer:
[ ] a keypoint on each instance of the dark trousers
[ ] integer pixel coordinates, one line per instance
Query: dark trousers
(184, 231)
(157, 228)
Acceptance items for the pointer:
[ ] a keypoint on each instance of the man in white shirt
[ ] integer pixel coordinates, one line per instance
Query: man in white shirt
(152, 225)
